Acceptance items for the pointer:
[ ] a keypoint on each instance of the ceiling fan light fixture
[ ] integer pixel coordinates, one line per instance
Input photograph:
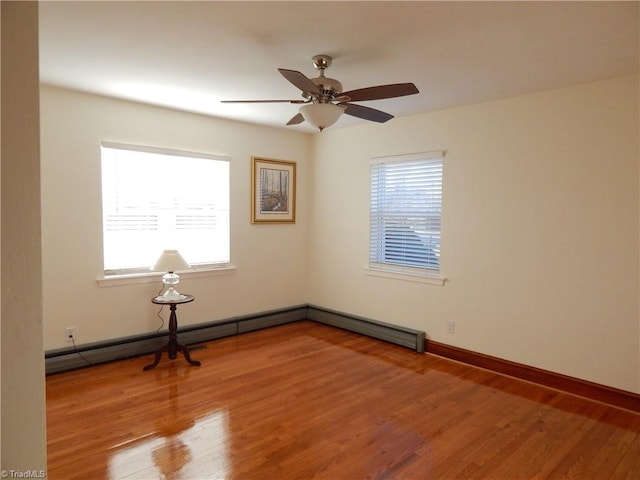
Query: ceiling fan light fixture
(321, 115)
(330, 101)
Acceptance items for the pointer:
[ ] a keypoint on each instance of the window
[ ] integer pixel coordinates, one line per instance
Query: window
(406, 210)
(154, 199)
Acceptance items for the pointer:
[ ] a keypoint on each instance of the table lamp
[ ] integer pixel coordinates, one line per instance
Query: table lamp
(170, 261)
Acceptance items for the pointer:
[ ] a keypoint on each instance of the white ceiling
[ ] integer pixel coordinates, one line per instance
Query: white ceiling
(190, 55)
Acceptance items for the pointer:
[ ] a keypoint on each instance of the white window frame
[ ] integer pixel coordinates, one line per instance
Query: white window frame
(420, 260)
(141, 273)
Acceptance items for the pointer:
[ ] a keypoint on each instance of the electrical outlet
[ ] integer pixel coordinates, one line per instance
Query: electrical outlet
(70, 334)
(451, 326)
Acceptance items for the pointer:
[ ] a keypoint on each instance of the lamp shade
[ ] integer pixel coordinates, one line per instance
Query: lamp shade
(170, 261)
(321, 115)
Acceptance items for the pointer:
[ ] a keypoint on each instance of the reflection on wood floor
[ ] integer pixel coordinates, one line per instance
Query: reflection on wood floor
(305, 400)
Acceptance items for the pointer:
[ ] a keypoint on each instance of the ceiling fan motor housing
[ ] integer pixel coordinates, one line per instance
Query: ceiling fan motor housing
(328, 86)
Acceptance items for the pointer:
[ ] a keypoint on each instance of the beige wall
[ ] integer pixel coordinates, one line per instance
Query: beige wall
(270, 259)
(23, 410)
(540, 229)
(540, 236)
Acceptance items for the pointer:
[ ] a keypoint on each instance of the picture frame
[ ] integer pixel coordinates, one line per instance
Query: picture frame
(273, 191)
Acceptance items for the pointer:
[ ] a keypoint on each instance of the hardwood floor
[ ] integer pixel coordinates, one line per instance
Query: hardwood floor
(307, 401)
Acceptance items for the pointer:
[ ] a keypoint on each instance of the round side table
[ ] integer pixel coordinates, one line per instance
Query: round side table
(173, 346)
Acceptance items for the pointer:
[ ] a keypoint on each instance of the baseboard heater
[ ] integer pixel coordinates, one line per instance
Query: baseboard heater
(406, 337)
(64, 359)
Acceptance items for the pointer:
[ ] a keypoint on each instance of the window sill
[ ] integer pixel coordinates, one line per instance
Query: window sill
(407, 277)
(152, 277)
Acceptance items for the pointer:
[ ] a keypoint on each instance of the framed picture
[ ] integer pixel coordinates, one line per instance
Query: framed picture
(273, 191)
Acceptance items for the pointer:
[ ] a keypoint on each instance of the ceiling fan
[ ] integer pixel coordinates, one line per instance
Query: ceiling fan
(324, 101)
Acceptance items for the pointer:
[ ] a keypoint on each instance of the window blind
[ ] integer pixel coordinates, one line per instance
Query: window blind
(154, 199)
(405, 213)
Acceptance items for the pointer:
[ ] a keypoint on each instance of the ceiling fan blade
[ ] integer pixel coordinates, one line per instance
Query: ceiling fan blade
(298, 118)
(264, 101)
(366, 113)
(382, 91)
(301, 81)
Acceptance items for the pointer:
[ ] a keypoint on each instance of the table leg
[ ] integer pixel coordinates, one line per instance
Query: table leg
(172, 347)
(173, 333)
(156, 360)
(187, 356)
